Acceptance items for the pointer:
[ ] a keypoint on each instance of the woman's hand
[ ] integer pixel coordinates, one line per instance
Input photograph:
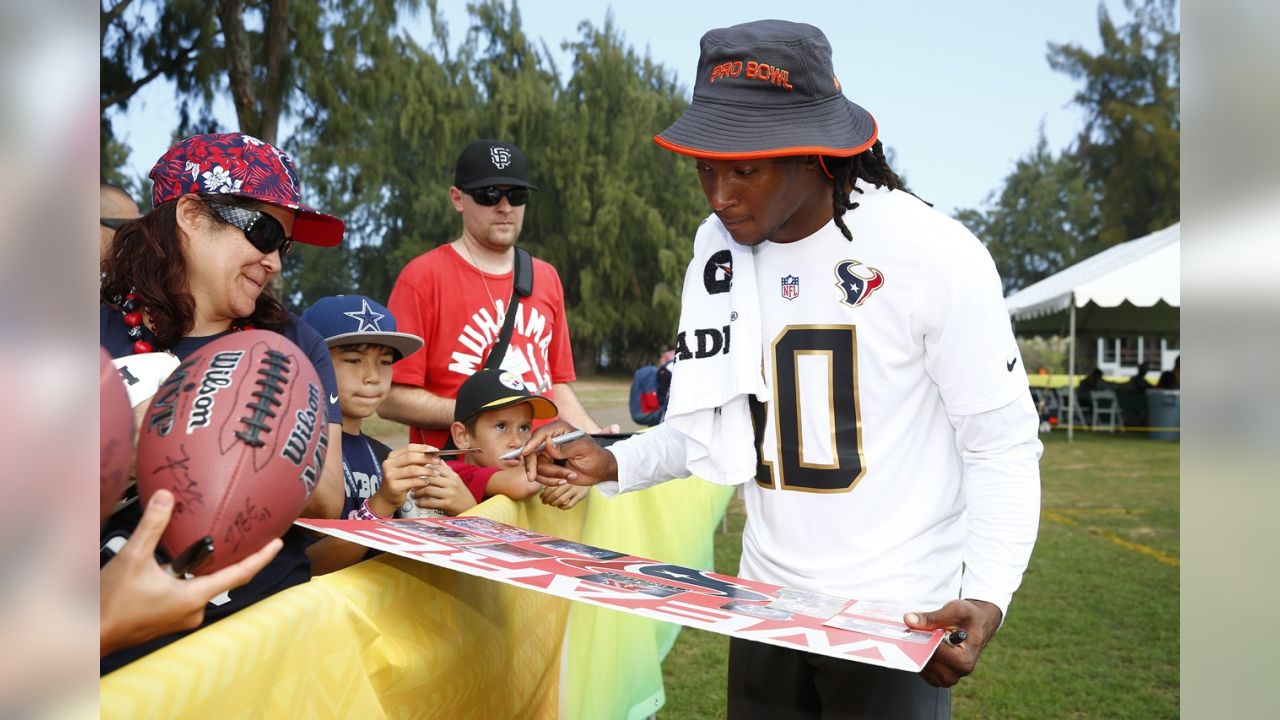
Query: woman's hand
(139, 599)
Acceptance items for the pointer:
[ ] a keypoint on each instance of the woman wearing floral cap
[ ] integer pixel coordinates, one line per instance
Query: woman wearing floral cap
(225, 212)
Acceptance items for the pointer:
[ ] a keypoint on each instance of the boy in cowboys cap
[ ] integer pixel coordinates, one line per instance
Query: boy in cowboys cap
(364, 344)
(894, 457)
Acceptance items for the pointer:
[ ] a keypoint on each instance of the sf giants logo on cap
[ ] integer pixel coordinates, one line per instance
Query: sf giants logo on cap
(500, 156)
(763, 72)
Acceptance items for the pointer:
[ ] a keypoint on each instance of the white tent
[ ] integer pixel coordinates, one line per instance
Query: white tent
(1132, 288)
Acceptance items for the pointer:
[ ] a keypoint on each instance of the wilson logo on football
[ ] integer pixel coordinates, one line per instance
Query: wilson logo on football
(219, 375)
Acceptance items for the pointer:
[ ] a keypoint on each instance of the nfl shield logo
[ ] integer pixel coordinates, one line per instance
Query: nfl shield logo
(790, 287)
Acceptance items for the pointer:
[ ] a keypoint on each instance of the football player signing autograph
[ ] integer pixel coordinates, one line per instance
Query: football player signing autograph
(844, 351)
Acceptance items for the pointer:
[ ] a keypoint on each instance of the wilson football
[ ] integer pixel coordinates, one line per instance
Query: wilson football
(115, 423)
(238, 433)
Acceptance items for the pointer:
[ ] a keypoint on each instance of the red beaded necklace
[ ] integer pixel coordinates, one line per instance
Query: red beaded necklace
(131, 309)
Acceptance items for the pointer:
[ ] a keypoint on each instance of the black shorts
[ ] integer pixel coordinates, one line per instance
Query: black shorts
(766, 681)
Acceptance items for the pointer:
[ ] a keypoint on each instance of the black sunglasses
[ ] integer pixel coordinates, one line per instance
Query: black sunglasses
(263, 231)
(114, 223)
(490, 196)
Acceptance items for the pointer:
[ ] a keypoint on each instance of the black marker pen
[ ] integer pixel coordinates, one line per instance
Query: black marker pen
(193, 557)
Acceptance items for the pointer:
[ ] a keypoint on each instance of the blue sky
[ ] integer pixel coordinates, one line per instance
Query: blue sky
(959, 89)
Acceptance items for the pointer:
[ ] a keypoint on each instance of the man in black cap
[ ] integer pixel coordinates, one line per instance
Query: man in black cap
(456, 298)
(894, 457)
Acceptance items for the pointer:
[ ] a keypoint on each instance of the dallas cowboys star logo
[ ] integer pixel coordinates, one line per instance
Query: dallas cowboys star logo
(367, 318)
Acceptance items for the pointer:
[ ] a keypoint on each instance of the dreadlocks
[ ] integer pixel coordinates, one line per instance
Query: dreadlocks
(870, 166)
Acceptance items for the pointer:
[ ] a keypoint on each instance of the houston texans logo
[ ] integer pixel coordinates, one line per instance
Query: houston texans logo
(856, 288)
(671, 573)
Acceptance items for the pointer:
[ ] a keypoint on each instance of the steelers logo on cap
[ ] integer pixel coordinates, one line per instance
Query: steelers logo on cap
(511, 381)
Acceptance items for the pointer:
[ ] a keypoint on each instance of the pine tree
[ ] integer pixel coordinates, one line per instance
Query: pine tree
(1042, 220)
(1129, 146)
(1120, 179)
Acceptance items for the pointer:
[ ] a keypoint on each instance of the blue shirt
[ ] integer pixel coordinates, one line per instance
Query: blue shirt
(362, 458)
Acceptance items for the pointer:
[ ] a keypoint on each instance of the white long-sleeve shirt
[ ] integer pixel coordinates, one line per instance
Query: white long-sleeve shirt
(898, 451)
(1000, 453)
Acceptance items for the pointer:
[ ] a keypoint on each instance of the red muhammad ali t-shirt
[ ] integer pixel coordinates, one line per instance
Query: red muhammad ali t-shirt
(458, 311)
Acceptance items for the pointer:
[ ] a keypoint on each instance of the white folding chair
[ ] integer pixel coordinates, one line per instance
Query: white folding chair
(1106, 406)
(1064, 404)
(1047, 402)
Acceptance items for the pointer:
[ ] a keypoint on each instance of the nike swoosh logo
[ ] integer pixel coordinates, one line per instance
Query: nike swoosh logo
(1009, 365)
(334, 398)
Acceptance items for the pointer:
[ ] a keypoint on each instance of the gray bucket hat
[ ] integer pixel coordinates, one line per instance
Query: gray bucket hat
(768, 89)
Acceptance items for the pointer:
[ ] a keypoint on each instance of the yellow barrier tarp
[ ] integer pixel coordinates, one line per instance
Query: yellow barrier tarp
(614, 666)
(397, 638)
(1053, 382)
(388, 638)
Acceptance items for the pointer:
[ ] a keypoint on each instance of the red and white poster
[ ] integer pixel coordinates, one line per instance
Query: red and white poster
(813, 622)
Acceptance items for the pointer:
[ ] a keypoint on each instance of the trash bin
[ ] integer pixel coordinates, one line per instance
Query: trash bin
(1163, 411)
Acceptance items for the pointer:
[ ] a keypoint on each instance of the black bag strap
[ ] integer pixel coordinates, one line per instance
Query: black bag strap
(522, 282)
(523, 279)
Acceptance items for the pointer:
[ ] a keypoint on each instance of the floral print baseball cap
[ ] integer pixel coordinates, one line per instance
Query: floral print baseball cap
(241, 165)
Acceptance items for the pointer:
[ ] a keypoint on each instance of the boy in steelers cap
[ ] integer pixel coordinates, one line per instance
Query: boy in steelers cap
(495, 412)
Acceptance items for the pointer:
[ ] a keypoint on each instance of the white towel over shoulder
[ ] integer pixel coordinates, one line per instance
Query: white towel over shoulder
(718, 361)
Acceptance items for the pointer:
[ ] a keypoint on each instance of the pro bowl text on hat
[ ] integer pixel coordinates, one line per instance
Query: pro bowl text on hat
(485, 163)
(241, 165)
(768, 89)
(356, 320)
(493, 389)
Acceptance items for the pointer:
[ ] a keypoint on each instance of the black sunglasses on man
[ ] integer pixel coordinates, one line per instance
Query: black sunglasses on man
(490, 196)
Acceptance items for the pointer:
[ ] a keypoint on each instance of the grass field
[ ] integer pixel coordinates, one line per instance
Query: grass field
(1093, 633)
